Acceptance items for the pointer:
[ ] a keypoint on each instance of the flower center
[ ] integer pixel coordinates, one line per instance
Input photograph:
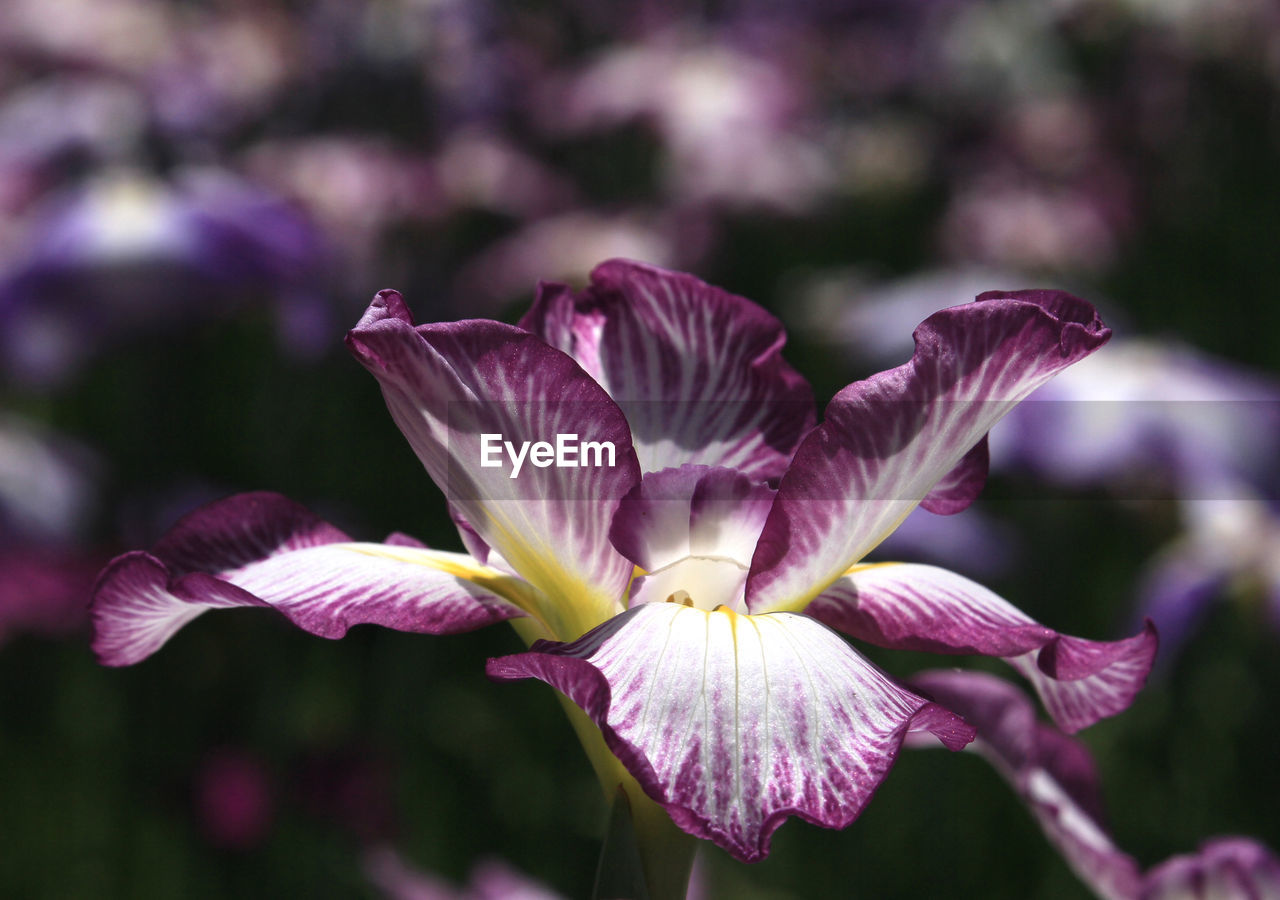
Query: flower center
(702, 581)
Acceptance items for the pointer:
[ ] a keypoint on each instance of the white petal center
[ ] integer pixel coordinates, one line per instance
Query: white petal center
(701, 581)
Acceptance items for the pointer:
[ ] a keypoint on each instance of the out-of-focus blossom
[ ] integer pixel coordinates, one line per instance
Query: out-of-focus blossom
(356, 188)
(480, 170)
(566, 248)
(125, 36)
(360, 189)
(490, 880)
(1150, 408)
(222, 69)
(199, 74)
(1010, 224)
(129, 253)
(730, 121)
(234, 799)
(45, 122)
(350, 786)
(1229, 549)
(697, 670)
(1231, 868)
(881, 157)
(992, 53)
(47, 484)
(43, 589)
(1005, 219)
(47, 491)
(1056, 778)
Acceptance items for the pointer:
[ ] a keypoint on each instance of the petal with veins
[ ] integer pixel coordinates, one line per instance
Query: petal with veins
(447, 385)
(264, 550)
(916, 607)
(697, 370)
(734, 723)
(887, 442)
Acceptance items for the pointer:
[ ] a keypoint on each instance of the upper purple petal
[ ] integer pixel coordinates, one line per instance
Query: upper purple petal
(887, 442)
(926, 608)
(265, 550)
(698, 371)
(734, 723)
(449, 384)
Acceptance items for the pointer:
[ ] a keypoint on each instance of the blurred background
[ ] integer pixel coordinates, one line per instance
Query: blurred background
(197, 199)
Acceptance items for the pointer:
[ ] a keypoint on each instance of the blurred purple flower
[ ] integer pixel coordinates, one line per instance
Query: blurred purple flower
(54, 119)
(1229, 549)
(355, 187)
(47, 492)
(222, 68)
(127, 37)
(729, 120)
(360, 189)
(1004, 220)
(128, 253)
(350, 786)
(48, 484)
(566, 248)
(44, 590)
(234, 799)
(1205, 428)
(490, 880)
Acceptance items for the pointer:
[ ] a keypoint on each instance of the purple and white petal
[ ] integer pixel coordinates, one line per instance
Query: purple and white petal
(264, 550)
(1052, 773)
(698, 371)
(888, 441)
(691, 511)
(474, 397)
(732, 722)
(1235, 868)
(916, 607)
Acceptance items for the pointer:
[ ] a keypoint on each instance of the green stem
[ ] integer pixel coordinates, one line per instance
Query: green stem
(666, 852)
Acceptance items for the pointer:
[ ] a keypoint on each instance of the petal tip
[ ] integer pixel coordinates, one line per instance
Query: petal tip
(1082, 326)
(386, 306)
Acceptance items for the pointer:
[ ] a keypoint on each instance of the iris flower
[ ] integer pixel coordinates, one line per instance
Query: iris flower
(686, 599)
